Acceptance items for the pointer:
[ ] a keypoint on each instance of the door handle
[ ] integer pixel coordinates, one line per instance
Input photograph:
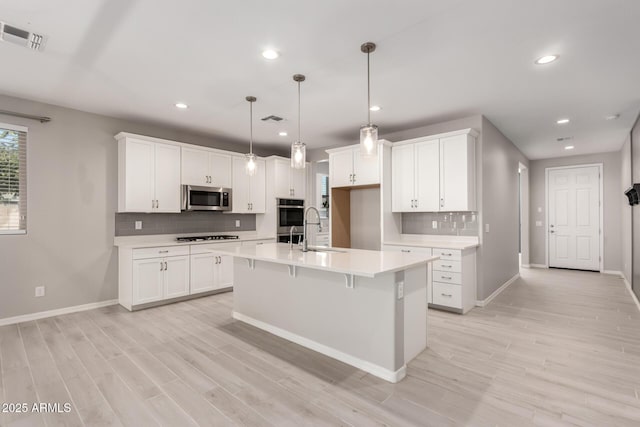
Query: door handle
(166, 266)
(161, 266)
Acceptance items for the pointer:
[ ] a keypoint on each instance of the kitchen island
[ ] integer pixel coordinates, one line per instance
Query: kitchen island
(365, 308)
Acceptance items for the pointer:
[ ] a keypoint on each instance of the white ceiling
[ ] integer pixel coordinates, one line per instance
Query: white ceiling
(436, 60)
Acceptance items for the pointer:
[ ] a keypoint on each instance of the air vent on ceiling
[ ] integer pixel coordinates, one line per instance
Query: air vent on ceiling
(564, 138)
(11, 34)
(272, 118)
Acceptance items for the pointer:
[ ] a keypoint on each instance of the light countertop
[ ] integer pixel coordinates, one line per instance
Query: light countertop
(170, 239)
(433, 241)
(347, 261)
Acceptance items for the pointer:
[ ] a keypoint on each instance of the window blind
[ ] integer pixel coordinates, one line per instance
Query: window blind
(13, 179)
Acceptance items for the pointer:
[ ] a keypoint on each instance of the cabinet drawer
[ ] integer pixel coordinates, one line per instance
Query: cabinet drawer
(447, 265)
(447, 295)
(444, 254)
(408, 249)
(447, 277)
(160, 252)
(208, 247)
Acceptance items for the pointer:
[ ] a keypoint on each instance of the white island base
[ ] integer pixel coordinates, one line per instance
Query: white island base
(377, 324)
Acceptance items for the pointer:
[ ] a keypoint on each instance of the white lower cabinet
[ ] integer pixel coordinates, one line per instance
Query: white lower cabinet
(159, 273)
(211, 271)
(452, 279)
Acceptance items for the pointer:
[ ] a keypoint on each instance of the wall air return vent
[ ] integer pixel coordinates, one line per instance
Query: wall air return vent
(11, 34)
(272, 118)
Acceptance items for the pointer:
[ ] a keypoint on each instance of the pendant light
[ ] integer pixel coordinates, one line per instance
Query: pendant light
(368, 132)
(251, 165)
(298, 148)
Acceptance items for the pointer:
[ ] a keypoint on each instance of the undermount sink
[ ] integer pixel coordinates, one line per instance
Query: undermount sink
(326, 250)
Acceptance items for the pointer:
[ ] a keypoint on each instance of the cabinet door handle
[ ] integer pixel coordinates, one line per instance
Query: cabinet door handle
(442, 202)
(446, 295)
(416, 203)
(166, 266)
(157, 204)
(161, 266)
(354, 178)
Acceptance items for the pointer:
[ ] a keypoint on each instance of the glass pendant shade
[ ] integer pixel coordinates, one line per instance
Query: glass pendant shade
(369, 141)
(298, 155)
(251, 165)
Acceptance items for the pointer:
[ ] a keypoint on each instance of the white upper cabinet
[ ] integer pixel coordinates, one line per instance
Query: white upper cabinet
(434, 174)
(288, 182)
(457, 173)
(205, 168)
(248, 191)
(348, 169)
(148, 176)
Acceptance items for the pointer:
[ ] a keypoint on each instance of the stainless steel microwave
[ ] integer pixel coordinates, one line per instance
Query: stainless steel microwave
(206, 198)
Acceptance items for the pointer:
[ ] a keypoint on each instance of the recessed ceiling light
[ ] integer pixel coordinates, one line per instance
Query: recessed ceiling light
(569, 147)
(375, 108)
(546, 59)
(283, 133)
(613, 117)
(270, 54)
(562, 121)
(181, 105)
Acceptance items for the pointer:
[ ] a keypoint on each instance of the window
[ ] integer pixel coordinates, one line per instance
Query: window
(13, 179)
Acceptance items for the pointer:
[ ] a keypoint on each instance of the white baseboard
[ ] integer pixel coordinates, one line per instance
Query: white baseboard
(628, 286)
(57, 312)
(613, 272)
(525, 265)
(373, 369)
(484, 302)
(539, 266)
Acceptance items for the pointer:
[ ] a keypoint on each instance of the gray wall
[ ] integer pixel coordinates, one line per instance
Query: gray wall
(498, 252)
(625, 231)
(72, 198)
(185, 222)
(365, 219)
(612, 205)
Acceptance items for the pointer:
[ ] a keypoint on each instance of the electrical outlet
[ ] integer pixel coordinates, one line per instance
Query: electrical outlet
(400, 290)
(538, 223)
(237, 223)
(39, 291)
(539, 209)
(434, 224)
(138, 225)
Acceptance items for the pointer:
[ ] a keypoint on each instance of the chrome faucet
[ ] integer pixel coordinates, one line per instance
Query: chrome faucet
(291, 230)
(305, 245)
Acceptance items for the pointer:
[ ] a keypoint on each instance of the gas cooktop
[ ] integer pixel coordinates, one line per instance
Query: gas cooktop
(206, 238)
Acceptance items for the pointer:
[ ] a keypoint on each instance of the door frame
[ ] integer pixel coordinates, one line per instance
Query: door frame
(524, 215)
(546, 201)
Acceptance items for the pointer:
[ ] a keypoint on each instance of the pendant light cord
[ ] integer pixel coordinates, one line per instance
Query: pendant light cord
(368, 90)
(250, 127)
(299, 136)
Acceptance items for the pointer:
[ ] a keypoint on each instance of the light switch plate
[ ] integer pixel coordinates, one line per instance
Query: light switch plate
(138, 225)
(539, 209)
(237, 223)
(39, 291)
(486, 228)
(538, 223)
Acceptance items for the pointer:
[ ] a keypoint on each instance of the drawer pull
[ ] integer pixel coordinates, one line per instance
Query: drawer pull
(163, 252)
(405, 250)
(446, 266)
(446, 277)
(449, 254)
(446, 295)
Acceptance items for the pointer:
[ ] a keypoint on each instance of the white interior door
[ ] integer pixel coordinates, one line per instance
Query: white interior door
(574, 218)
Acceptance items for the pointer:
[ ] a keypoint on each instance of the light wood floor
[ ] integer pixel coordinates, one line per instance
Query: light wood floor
(556, 348)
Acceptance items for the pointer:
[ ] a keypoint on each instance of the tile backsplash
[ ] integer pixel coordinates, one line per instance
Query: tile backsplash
(185, 222)
(447, 223)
